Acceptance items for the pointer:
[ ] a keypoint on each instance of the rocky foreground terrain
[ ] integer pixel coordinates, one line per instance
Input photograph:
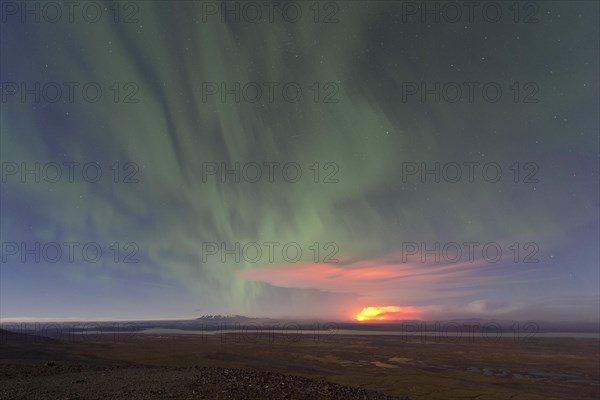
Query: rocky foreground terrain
(159, 366)
(73, 382)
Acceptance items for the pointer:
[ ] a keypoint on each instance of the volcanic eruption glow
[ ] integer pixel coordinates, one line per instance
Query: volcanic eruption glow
(386, 313)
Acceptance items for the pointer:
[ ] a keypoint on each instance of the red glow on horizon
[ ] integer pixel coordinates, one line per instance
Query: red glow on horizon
(386, 313)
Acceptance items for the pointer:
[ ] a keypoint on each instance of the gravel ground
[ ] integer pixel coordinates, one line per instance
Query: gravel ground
(126, 382)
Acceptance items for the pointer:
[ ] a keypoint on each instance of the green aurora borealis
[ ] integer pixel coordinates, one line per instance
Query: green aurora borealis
(369, 134)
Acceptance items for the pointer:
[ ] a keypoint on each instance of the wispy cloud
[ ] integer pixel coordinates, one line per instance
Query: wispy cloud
(429, 290)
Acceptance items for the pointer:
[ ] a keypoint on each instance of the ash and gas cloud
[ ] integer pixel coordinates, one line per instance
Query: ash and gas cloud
(180, 94)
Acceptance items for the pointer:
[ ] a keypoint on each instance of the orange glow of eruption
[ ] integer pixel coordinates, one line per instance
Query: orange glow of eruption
(386, 313)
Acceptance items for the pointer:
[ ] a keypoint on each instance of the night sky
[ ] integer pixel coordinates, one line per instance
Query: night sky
(166, 100)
